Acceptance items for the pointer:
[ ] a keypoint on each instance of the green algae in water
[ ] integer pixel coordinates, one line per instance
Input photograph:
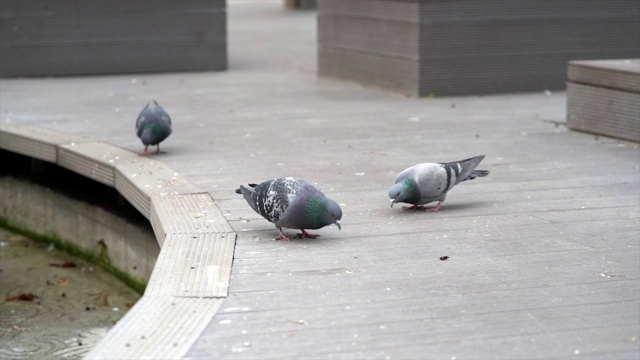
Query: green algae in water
(74, 308)
(102, 260)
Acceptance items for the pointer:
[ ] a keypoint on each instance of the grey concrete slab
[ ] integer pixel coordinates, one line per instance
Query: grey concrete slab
(544, 252)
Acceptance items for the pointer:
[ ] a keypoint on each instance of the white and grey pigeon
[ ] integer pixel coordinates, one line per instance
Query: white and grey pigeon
(292, 203)
(153, 126)
(429, 182)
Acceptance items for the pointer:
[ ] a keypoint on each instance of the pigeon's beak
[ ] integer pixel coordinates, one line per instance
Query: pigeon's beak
(338, 225)
(393, 201)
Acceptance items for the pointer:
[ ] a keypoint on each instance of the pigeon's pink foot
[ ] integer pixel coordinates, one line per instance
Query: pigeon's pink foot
(305, 234)
(282, 236)
(435, 208)
(145, 153)
(412, 207)
(158, 150)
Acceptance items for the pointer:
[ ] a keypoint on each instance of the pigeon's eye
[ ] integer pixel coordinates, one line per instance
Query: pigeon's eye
(398, 194)
(332, 215)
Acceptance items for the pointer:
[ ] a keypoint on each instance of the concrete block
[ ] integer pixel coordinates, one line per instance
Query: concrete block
(603, 97)
(468, 47)
(71, 37)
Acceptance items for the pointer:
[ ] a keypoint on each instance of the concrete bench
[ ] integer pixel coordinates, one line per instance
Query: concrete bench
(460, 47)
(603, 97)
(70, 37)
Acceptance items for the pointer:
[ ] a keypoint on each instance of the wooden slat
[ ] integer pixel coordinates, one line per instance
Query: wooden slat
(603, 111)
(94, 160)
(489, 47)
(38, 143)
(621, 74)
(157, 328)
(137, 179)
(68, 37)
(186, 214)
(193, 265)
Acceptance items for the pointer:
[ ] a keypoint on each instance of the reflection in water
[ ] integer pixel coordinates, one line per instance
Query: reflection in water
(72, 306)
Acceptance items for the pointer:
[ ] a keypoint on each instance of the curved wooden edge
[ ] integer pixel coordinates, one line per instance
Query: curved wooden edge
(191, 277)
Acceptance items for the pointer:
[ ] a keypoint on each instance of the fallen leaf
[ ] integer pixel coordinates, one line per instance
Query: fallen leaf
(22, 297)
(66, 264)
(63, 281)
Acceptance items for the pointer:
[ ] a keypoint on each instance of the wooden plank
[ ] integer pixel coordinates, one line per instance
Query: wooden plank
(94, 160)
(193, 265)
(603, 111)
(489, 48)
(192, 213)
(35, 142)
(621, 74)
(112, 36)
(140, 178)
(143, 334)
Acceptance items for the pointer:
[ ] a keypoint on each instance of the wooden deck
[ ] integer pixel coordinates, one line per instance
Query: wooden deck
(544, 254)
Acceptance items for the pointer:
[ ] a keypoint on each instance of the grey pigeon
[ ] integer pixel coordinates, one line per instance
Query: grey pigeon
(153, 126)
(428, 182)
(292, 203)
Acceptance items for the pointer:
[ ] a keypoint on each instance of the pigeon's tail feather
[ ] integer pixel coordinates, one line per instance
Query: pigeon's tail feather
(478, 173)
(239, 191)
(468, 167)
(247, 193)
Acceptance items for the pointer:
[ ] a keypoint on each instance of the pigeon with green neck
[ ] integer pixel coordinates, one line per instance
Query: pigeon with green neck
(292, 203)
(153, 126)
(428, 182)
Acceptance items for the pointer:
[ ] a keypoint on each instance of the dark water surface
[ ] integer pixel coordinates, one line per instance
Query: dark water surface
(54, 312)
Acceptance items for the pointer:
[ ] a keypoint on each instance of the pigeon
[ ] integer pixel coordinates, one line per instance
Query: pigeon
(292, 203)
(153, 126)
(429, 182)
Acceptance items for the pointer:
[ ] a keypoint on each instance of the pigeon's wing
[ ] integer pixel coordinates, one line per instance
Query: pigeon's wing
(433, 180)
(165, 117)
(161, 114)
(141, 117)
(273, 197)
(408, 172)
(465, 169)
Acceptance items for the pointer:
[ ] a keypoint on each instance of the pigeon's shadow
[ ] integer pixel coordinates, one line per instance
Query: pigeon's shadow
(449, 207)
(294, 238)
